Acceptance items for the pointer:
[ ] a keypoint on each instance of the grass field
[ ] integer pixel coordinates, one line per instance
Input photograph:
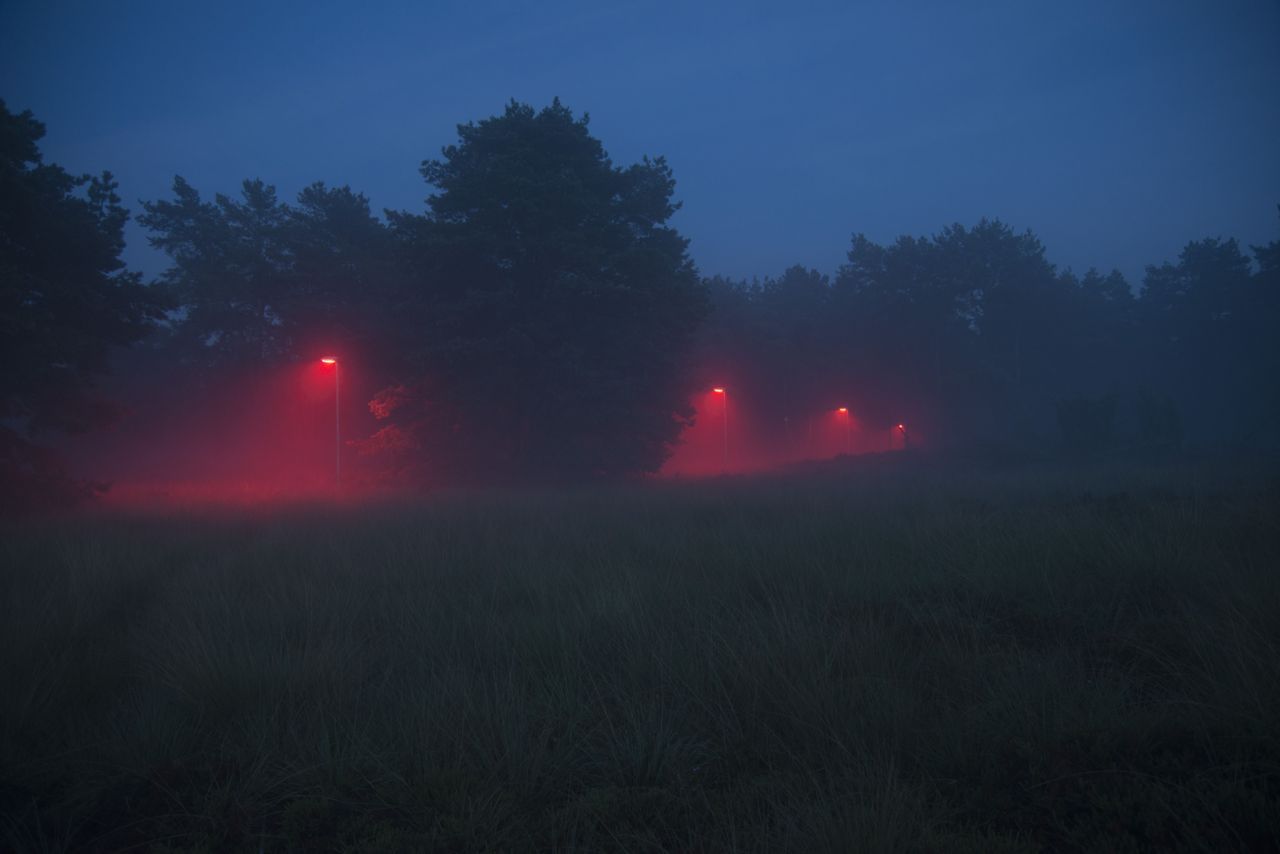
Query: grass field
(881, 658)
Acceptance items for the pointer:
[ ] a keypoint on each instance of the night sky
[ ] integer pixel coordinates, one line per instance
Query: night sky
(1116, 131)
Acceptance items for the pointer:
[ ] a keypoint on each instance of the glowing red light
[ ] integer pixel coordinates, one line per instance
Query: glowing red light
(901, 427)
(718, 390)
(329, 361)
(843, 409)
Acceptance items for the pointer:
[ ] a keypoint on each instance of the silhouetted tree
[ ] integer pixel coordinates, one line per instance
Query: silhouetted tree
(1197, 323)
(899, 330)
(968, 334)
(65, 302)
(795, 351)
(542, 318)
(957, 331)
(726, 343)
(548, 324)
(769, 340)
(230, 274)
(260, 282)
(343, 272)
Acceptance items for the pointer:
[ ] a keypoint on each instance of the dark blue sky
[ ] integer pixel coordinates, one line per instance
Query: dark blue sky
(1116, 131)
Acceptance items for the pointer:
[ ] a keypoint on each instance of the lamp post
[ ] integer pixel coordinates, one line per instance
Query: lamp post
(725, 411)
(848, 430)
(902, 428)
(337, 423)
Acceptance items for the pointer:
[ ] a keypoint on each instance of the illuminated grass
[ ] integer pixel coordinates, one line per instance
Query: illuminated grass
(880, 660)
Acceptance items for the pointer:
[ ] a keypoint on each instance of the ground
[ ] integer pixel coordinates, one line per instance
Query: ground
(890, 655)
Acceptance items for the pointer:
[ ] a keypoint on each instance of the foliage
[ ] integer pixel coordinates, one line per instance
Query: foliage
(550, 310)
(1197, 315)
(229, 270)
(65, 302)
(344, 276)
(542, 319)
(261, 282)
(969, 333)
(972, 336)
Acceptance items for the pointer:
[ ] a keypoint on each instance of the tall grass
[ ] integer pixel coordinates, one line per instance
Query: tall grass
(882, 659)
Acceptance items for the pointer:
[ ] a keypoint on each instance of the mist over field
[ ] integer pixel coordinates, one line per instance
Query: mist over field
(873, 658)
(643, 428)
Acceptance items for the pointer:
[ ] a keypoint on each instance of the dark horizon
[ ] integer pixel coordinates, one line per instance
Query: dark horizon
(1116, 136)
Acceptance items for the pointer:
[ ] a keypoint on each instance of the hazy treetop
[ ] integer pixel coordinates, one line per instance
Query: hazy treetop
(1117, 131)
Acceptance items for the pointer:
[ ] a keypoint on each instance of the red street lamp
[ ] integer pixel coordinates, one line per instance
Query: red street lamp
(903, 429)
(848, 429)
(725, 412)
(337, 423)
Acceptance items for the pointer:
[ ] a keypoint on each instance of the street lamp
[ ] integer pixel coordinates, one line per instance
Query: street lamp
(725, 411)
(337, 423)
(848, 430)
(902, 428)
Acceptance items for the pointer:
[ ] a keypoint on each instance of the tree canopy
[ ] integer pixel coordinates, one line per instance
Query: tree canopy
(542, 318)
(65, 301)
(972, 335)
(548, 314)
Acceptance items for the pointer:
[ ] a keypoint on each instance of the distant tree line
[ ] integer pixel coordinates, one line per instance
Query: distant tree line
(972, 336)
(541, 318)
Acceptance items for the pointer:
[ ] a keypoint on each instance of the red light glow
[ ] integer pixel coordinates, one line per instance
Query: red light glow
(843, 409)
(718, 390)
(246, 437)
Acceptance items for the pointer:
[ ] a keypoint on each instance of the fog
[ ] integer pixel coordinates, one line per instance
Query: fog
(1035, 236)
(757, 441)
(484, 426)
(274, 436)
(528, 327)
(270, 435)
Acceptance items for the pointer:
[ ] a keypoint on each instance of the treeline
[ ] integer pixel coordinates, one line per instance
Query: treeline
(537, 320)
(541, 318)
(974, 338)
